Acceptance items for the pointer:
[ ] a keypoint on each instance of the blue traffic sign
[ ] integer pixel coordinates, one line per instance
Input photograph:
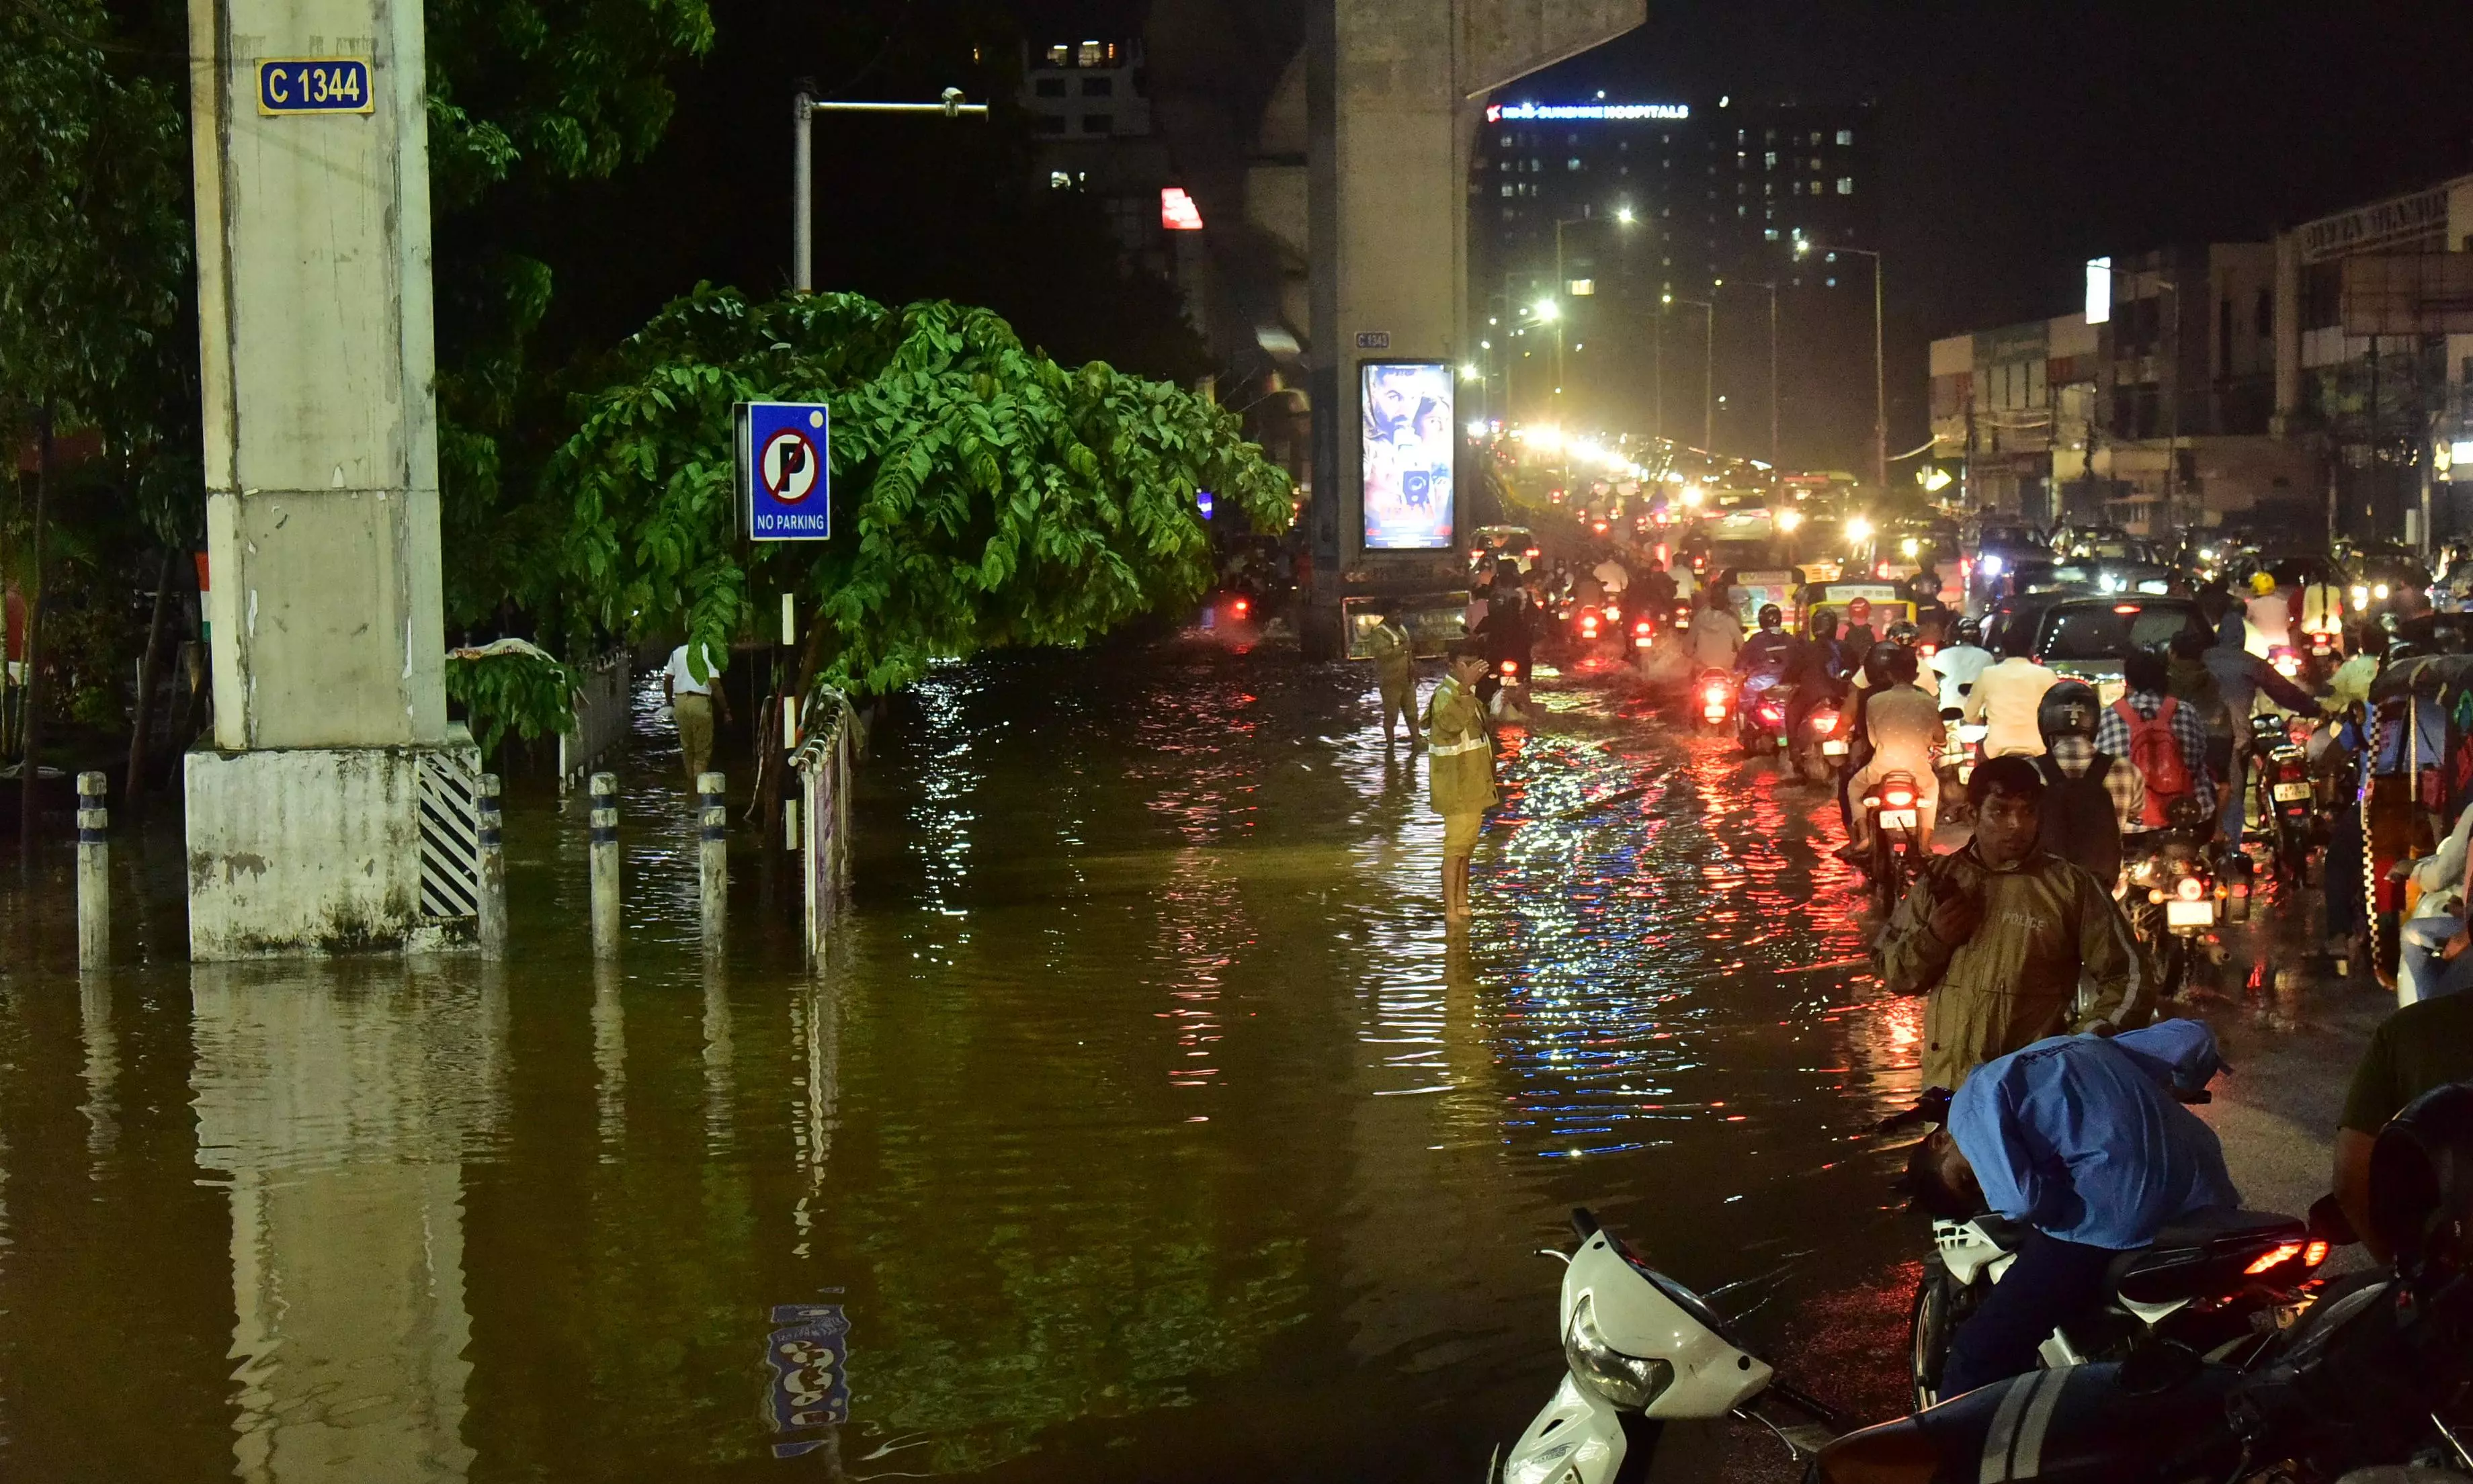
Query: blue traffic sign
(313, 84)
(785, 470)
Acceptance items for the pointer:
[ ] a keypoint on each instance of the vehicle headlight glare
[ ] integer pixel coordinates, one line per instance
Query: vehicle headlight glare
(2361, 594)
(1991, 566)
(2380, 592)
(1626, 1381)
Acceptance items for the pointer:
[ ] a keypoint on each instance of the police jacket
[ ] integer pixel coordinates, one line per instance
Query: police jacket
(1459, 751)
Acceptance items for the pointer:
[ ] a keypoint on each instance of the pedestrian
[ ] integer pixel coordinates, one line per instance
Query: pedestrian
(2000, 934)
(2165, 741)
(2006, 695)
(1459, 769)
(692, 703)
(1395, 673)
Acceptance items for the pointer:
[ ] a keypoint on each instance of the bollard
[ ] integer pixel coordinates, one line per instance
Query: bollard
(712, 853)
(605, 865)
(494, 871)
(94, 872)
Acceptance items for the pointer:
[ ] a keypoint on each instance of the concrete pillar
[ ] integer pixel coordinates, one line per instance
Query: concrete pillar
(602, 844)
(321, 486)
(1394, 92)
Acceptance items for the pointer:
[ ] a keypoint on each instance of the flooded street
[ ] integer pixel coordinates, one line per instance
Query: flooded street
(1143, 1124)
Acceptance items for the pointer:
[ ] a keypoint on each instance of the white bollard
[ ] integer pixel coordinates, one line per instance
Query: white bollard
(94, 872)
(604, 839)
(712, 853)
(494, 871)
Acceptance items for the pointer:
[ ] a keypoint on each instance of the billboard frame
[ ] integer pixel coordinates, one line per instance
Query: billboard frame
(1452, 537)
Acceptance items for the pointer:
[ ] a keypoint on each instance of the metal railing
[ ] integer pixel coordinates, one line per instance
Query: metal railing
(830, 741)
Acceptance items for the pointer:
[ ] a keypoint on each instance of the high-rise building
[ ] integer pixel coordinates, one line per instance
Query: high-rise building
(1650, 202)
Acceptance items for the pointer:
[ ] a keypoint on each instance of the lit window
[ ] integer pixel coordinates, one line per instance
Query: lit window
(1846, 136)
(1833, 284)
(1508, 187)
(1177, 211)
(1770, 159)
(1738, 136)
(1090, 54)
(1504, 141)
(1742, 212)
(1845, 185)
(1815, 164)
(1574, 163)
(1815, 138)
(1770, 234)
(1060, 56)
(1059, 181)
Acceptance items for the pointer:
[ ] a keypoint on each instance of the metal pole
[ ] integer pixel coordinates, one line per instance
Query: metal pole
(1880, 389)
(713, 856)
(603, 847)
(803, 185)
(494, 871)
(94, 870)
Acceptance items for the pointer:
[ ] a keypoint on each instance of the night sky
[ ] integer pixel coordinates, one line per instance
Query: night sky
(2021, 138)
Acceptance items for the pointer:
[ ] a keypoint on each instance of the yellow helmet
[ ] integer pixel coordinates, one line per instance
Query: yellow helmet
(2261, 583)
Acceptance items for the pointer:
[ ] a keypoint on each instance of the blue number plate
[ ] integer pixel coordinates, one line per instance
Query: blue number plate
(313, 84)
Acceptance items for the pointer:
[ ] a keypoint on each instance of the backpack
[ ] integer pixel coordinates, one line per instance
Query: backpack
(2157, 757)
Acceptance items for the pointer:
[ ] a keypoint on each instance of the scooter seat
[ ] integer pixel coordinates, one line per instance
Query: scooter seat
(2201, 1256)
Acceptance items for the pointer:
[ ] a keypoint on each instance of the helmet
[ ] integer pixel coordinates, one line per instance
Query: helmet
(1970, 630)
(1903, 633)
(1770, 617)
(1860, 612)
(2068, 709)
(2421, 1200)
(2261, 583)
(1876, 674)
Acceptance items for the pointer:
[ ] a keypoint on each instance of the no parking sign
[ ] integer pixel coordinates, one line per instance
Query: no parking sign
(785, 470)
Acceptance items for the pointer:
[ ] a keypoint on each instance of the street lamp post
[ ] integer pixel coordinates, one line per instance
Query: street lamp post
(1708, 368)
(1803, 247)
(804, 108)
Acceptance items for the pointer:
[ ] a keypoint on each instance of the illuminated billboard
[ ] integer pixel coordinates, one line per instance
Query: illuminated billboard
(2099, 290)
(1410, 438)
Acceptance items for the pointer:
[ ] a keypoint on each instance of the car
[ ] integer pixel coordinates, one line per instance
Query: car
(2375, 576)
(2102, 575)
(1489, 544)
(1988, 553)
(2083, 635)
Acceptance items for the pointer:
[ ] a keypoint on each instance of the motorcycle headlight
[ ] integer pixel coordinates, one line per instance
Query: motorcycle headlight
(1626, 1381)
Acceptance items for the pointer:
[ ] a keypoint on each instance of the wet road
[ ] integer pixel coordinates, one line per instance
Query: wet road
(1145, 1123)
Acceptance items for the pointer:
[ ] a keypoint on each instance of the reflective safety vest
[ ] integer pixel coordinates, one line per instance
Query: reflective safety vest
(1459, 751)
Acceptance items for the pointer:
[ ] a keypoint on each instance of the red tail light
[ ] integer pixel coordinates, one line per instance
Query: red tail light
(1640, 627)
(2191, 888)
(1510, 667)
(1773, 715)
(1589, 625)
(2313, 1254)
(1927, 651)
(2281, 1254)
(1899, 797)
(1714, 695)
(1240, 606)
(1824, 722)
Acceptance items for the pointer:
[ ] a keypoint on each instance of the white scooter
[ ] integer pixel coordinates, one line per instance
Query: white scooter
(1643, 1350)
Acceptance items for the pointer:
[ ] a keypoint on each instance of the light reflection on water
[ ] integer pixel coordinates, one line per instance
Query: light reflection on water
(1144, 1119)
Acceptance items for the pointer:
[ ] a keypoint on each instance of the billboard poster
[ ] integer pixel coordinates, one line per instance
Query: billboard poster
(1409, 442)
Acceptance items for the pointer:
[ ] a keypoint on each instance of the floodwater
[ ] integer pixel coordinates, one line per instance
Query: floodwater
(1143, 1123)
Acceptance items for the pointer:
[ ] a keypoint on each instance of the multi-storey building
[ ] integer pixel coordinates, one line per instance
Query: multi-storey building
(1699, 204)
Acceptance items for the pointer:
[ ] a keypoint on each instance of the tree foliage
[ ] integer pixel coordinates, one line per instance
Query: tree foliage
(984, 495)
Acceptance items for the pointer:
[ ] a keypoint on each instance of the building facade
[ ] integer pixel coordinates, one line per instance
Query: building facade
(1654, 215)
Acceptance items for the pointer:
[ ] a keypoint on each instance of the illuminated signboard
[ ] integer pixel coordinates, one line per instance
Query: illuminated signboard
(1410, 440)
(2099, 292)
(1177, 211)
(1561, 112)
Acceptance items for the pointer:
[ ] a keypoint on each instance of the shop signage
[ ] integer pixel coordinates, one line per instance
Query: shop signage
(2405, 218)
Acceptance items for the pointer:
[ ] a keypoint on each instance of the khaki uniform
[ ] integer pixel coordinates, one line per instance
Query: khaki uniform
(1395, 673)
(1459, 763)
(2015, 980)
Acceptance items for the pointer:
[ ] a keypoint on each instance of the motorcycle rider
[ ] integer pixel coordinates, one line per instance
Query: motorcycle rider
(2007, 695)
(1772, 648)
(1717, 633)
(1859, 637)
(1812, 670)
(1959, 664)
(1999, 933)
(2080, 1138)
(2163, 741)
(2269, 617)
(1902, 730)
(2091, 796)
(2323, 607)
(2240, 676)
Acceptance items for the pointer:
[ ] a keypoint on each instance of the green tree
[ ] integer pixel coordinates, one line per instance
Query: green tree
(94, 262)
(985, 495)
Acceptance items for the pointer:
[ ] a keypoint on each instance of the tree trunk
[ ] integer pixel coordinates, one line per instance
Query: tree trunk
(771, 767)
(29, 772)
(132, 789)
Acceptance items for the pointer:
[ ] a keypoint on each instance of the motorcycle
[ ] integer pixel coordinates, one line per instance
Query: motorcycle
(2288, 796)
(1820, 746)
(1760, 714)
(1712, 696)
(1643, 1350)
(2173, 900)
(1892, 810)
(1956, 765)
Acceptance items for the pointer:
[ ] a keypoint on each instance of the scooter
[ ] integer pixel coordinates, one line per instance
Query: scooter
(1820, 746)
(1760, 714)
(1712, 696)
(2290, 798)
(2173, 900)
(1643, 1350)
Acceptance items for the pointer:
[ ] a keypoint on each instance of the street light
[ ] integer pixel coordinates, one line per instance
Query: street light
(804, 108)
(1547, 310)
(1803, 247)
(1708, 368)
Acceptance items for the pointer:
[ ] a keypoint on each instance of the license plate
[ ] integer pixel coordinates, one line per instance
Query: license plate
(2189, 914)
(2287, 793)
(1832, 748)
(1781, 742)
(1714, 713)
(1897, 819)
